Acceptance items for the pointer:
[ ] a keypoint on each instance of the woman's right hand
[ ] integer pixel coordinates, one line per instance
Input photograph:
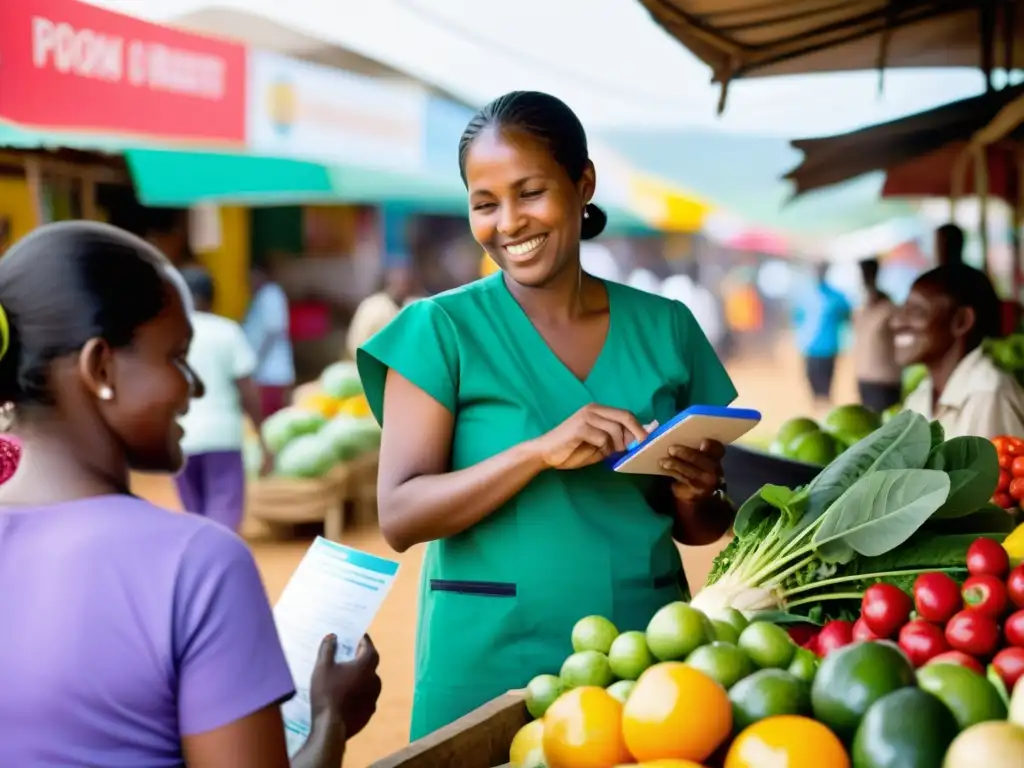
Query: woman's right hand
(590, 435)
(347, 689)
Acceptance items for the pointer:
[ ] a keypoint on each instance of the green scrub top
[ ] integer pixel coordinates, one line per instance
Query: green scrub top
(499, 600)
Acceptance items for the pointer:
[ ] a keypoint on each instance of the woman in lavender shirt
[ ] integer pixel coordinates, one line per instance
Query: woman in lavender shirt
(133, 637)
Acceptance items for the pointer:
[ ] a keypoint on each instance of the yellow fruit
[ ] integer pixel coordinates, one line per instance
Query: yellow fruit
(1014, 544)
(318, 402)
(355, 406)
(583, 729)
(526, 745)
(787, 741)
(670, 762)
(676, 711)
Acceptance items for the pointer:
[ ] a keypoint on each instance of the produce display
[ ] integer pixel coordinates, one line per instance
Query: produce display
(922, 679)
(803, 439)
(1010, 489)
(329, 424)
(871, 619)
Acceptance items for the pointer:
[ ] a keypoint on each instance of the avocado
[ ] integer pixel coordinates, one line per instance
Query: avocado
(908, 728)
(853, 678)
(766, 693)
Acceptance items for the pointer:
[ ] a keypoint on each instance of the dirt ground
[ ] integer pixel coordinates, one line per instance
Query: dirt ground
(774, 385)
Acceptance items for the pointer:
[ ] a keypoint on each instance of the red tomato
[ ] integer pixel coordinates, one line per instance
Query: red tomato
(801, 634)
(1017, 488)
(985, 594)
(1017, 466)
(1015, 586)
(1009, 663)
(834, 636)
(1004, 500)
(922, 641)
(1004, 480)
(1005, 462)
(885, 608)
(1008, 446)
(1014, 629)
(861, 631)
(958, 657)
(973, 632)
(937, 597)
(987, 556)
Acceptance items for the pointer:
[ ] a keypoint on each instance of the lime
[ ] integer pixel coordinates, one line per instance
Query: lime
(676, 631)
(732, 617)
(767, 693)
(768, 645)
(725, 632)
(792, 429)
(593, 633)
(854, 677)
(818, 448)
(629, 655)
(722, 662)
(587, 668)
(527, 742)
(804, 665)
(541, 692)
(852, 421)
(621, 689)
(969, 696)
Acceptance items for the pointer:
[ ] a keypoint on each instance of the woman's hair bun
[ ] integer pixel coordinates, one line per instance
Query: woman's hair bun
(594, 222)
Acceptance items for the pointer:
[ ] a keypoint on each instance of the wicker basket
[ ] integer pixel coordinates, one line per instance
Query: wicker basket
(291, 501)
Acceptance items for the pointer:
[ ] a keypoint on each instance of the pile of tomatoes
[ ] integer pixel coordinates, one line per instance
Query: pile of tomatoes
(975, 624)
(1010, 491)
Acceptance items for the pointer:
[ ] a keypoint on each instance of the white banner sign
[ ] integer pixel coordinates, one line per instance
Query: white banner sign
(321, 114)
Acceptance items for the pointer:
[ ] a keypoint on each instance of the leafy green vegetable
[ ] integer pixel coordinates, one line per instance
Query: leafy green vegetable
(872, 515)
(903, 443)
(973, 468)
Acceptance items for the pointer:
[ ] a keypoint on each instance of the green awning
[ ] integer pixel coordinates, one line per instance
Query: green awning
(170, 178)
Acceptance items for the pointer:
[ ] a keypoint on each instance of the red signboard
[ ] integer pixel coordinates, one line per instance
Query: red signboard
(71, 66)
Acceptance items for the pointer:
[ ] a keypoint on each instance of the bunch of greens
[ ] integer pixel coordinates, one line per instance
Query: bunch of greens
(900, 502)
(1007, 352)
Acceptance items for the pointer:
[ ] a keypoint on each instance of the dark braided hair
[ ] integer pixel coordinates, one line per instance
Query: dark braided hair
(549, 120)
(969, 287)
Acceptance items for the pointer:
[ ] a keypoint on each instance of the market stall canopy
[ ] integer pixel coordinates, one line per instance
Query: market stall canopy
(918, 151)
(755, 38)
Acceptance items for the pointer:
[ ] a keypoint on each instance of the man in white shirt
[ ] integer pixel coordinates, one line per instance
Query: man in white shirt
(213, 480)
(949, 312)
(379, 309)
(267, 328)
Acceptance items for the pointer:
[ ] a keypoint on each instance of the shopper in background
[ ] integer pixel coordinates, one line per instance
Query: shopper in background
(820, 318)
(133, 635)
(874, 357)
(212, 483)
(379, 309)
(267, 326)
(949, 245)
(949, 312)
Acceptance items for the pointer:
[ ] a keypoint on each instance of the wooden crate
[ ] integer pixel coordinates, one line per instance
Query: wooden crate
(481, 739)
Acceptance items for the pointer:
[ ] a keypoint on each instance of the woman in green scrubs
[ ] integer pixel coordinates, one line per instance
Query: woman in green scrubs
(499, 402)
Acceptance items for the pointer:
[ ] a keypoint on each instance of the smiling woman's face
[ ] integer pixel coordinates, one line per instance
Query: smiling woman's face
(926, 327)
(523, 208)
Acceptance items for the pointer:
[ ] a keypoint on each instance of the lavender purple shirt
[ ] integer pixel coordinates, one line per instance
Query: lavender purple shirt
(125, 626)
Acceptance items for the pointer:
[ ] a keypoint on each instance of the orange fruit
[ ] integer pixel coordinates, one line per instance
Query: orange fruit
(787, 741)
(667, 763)
(676, 711)
(583, 729)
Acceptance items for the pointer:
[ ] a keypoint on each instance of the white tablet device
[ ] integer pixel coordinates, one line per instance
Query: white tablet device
(690, 428)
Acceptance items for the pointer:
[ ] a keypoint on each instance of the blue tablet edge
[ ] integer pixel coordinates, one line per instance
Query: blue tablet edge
(723, 411)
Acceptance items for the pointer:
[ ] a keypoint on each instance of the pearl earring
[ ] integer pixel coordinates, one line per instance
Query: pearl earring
(105, 393)
(586, 214)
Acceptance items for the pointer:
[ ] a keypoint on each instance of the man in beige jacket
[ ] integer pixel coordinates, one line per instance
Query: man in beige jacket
(874, 357)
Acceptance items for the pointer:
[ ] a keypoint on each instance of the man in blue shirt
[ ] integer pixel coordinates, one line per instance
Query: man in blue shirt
(820, 319)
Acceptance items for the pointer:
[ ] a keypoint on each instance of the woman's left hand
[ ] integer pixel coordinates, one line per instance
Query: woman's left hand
(696, 474)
